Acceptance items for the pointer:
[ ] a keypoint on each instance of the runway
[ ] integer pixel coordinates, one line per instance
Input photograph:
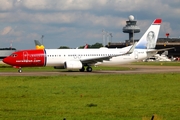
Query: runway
(134, 69)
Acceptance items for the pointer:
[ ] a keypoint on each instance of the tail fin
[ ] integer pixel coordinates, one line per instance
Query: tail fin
(38, 45)
(86, 46)
(149, 39)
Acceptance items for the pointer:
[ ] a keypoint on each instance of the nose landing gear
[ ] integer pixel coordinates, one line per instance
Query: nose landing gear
(20, 70)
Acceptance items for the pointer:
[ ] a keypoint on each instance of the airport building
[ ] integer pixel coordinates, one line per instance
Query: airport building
(5, 52)
(161, 43)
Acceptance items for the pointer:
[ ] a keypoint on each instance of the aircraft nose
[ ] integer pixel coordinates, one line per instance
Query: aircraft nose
(6, 60)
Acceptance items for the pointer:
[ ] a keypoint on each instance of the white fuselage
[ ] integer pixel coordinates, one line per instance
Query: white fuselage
(57, 57)
(137, 55)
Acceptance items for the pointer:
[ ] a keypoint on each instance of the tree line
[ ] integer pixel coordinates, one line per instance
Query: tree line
(96, 45)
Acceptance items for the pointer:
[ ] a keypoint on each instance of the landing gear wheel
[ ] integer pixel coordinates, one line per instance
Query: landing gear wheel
(20, 71)
(89, 69)
(82, 69)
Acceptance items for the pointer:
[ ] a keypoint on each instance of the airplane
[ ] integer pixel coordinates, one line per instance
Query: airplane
(86, 46)
(63, 58)
(38, 45)
(71, 59)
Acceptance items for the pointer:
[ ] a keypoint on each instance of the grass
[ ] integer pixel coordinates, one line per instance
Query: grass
(158, 63)
(98, 97)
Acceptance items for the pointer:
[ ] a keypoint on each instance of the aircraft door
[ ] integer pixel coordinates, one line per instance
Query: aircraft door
(135, 54)
(25, 56)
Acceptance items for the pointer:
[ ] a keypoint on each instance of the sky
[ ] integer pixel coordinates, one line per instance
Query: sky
(74, 23)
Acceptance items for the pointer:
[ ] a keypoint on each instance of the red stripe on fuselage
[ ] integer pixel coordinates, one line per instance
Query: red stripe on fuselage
(27, 58)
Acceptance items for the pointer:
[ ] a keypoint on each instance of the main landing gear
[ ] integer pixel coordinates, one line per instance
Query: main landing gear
(88, 69)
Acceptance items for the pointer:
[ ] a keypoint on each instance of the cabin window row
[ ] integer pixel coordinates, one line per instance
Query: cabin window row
(15, 55)
(82, 55)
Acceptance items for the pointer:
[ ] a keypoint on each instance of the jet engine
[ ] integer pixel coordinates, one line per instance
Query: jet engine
(73, 65)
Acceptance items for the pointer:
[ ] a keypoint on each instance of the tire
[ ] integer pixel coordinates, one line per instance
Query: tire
(89, 69)
(20, 71)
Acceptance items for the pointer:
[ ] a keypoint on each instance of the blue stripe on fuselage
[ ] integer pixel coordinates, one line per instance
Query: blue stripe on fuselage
(45, 57)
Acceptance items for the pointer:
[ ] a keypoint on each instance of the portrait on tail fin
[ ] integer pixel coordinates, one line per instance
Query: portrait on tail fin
(149, 39)
(151, 43)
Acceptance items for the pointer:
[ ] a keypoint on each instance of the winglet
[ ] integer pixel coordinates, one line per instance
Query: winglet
(132, 48)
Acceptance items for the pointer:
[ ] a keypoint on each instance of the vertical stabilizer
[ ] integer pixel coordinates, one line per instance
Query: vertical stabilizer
(149, 39)
(86, 46)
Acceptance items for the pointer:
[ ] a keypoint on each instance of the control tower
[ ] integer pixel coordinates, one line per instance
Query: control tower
(131, 27)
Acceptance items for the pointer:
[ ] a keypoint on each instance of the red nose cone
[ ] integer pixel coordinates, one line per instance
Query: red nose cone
(6, 60)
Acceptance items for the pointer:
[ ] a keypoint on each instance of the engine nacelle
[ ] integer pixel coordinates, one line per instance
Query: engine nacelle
(73, 65)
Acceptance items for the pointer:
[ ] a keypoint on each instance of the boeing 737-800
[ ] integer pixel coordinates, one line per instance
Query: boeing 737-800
(81, 58)
(38, 45)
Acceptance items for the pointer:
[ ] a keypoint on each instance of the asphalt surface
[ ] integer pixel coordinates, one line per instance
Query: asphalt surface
(134, 69)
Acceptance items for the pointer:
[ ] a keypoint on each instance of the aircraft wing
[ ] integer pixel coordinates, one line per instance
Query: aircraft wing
(158, 50)
(107, 58)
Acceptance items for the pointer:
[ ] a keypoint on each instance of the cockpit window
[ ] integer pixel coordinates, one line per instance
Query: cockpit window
(13, 55)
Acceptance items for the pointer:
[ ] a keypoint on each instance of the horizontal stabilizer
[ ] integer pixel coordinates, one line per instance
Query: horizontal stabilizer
(159, 50)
